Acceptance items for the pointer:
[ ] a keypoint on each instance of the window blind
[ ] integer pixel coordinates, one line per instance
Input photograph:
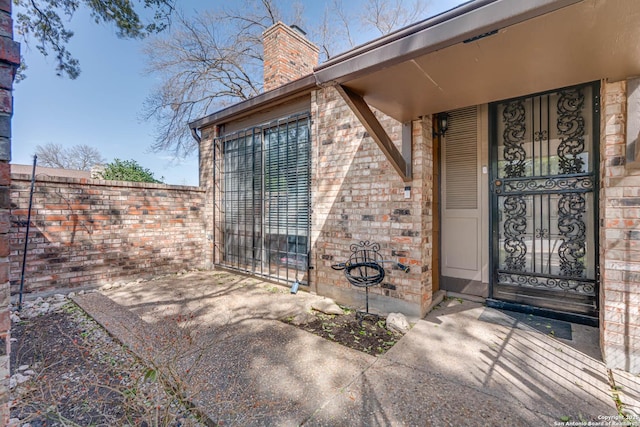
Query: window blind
(266, 197)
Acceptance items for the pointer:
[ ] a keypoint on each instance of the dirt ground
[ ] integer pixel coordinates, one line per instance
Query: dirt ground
(365, 332)
(67, 371)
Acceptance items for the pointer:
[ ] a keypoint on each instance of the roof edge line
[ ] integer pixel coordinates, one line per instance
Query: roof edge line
(291, 89)
(406, 31)
(445, 30)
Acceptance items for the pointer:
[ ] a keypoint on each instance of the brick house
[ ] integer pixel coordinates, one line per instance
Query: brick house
(492, 148)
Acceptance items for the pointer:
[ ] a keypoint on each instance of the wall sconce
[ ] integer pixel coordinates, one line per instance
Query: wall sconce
(442, 120)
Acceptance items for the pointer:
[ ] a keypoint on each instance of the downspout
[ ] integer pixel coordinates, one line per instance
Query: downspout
(194, 133)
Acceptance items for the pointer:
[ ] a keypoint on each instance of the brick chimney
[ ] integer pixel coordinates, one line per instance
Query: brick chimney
(288, 55)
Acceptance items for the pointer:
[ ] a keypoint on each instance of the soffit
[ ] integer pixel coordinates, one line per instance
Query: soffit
(582, 42)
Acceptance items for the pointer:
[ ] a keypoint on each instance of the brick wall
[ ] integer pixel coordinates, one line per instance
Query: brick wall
(358, 196)
(288, 55)
(89, 232)
(619, 237)
(210, 183)
(9, 60)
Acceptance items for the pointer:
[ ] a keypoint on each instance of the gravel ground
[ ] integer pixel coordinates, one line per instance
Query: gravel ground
(68, 371)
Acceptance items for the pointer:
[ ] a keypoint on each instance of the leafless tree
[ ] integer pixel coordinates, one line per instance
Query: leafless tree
(206, 62)
(80, 157)
(334, 32)
(389, 15)
(213, 59)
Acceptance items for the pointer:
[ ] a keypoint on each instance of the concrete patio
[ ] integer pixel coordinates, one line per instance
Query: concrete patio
(217, 335)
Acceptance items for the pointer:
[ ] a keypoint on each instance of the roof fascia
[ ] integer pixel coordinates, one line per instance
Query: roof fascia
(465, 22)
(264, 100)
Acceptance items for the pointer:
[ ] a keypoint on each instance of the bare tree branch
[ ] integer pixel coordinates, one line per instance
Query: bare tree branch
(212, 60)
(80, 157)
(208, 61)
(389, 15)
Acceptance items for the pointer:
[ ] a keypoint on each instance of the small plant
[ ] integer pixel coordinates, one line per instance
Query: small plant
(151, 375)
(368, 335)
(347, 310)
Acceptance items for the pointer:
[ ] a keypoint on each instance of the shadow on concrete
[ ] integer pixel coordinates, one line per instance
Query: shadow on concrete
(216, 335)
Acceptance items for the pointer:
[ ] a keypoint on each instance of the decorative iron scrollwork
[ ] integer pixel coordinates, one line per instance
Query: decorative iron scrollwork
(515, 226)
(514, 132)
(571, 130)
(548, 184)
(543, 193)
(541, 135)
(571, 208)
(374, 247)
(557, 283)
(542, 233)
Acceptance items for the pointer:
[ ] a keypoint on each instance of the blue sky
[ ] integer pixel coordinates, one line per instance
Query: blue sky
(102, 107)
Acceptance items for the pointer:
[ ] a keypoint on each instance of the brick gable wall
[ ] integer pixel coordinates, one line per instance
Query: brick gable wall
(90, 232)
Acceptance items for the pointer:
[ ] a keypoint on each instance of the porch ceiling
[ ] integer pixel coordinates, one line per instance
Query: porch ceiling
(586, 41)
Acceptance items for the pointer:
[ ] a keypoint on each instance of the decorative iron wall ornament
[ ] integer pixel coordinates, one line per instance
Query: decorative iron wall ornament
(365, 247)
(571, 130)
(514, 117)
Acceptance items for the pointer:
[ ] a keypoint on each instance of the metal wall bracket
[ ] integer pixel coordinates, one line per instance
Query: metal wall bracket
(401, 162)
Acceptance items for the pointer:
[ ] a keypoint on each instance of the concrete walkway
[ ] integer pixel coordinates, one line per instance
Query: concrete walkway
(217, 335)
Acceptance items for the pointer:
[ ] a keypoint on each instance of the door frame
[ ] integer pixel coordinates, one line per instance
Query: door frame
(493, 217)
(477, 287)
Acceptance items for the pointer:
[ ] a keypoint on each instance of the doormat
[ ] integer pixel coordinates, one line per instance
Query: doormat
(527, 322)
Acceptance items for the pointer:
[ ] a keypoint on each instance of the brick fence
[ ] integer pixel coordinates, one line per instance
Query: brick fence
(9, 60)
(89, 232)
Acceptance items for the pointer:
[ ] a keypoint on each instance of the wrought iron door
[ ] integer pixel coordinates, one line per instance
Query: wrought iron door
(544, 201)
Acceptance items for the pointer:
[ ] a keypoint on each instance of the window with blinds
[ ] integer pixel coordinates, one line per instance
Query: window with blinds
(461, 159)
(266, 198)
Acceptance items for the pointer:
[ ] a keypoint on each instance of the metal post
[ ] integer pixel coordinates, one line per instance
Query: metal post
(26, 237)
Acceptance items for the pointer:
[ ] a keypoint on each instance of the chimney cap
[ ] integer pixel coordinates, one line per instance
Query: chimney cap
(298, 29)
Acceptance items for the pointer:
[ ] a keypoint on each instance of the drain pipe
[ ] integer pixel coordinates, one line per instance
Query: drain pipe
(194, 134)
(26, 238)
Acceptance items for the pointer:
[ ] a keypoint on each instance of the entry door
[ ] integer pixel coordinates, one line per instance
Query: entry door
(543, 184)
(463, 262)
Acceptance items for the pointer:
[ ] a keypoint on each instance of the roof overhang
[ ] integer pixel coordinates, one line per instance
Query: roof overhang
(479, 52)
(447, 62)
